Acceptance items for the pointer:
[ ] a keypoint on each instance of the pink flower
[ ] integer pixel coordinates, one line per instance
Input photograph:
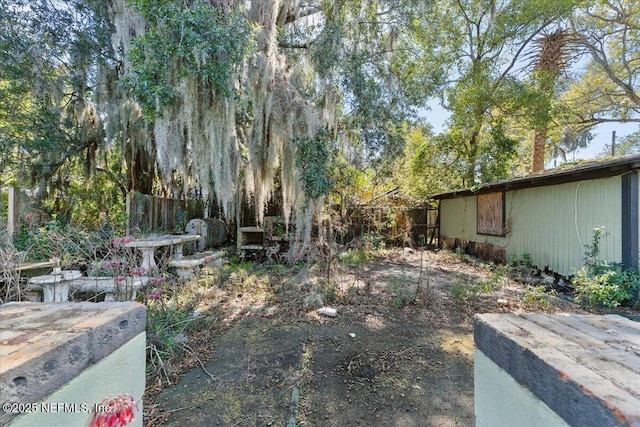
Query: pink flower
(127, 240)
(117, 242)
(155, 295)
(297, 256)
(138, 272)
(120, 279)
(157, 280)
(115, 412)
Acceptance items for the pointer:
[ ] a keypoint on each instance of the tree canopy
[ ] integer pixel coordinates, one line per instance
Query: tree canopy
(221, 99)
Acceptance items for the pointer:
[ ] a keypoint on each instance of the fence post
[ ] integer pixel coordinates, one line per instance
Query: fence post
(127, 208)
(13, 222)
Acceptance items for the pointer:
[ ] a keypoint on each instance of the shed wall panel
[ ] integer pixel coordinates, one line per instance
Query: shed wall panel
(551, 224)
(456, 217)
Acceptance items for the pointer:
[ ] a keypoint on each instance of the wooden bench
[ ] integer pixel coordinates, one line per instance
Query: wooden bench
(185, 265)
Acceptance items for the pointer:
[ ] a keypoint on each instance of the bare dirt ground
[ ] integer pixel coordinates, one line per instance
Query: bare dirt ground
(399, 352)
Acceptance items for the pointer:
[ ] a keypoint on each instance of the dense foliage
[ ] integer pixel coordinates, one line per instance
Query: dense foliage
(48, 56)
(194, 39)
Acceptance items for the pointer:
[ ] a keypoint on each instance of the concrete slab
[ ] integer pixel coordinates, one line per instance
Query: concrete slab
(115, 291)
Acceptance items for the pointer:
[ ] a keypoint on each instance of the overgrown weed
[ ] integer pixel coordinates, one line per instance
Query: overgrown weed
(402, 295)
(333, 294)
(537, 296)
(467, 289)
(355, 257)
(462, 255)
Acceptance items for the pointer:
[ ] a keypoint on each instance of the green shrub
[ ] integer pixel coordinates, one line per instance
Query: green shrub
(460, 292)
(402, 296)
(462, 255)
(499, 277)
(330, 292)
(523, 262)
(468, 289)
(57, 240)
(603, 282)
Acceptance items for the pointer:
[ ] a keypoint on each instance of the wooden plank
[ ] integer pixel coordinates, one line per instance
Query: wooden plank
(435, 229)
(490, 214)
(32, 266)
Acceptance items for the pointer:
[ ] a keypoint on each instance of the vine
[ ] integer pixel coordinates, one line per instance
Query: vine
(314, 159)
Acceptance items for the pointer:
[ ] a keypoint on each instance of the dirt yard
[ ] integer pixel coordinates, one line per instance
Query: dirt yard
(398, 353)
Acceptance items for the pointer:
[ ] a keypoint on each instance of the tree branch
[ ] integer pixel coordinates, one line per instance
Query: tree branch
(285, 45)
(599, 57)
(601, 60)
(114, 179)
(588, 123)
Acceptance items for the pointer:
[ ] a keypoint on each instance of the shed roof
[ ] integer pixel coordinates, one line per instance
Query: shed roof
(560, 175)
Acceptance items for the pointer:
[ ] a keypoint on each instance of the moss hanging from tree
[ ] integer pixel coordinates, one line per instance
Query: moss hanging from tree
(223, 103)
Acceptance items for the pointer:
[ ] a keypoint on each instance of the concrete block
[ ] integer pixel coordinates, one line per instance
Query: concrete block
(46, 345)
(114, 291)
(586, 369)
(74, 404)
(501, 401)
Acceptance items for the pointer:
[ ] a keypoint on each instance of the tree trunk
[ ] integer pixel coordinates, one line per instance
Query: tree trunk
(140, 170)
(539, 146)
(472, 153)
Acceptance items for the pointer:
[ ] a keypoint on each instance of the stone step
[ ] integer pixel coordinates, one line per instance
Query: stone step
(575, 370)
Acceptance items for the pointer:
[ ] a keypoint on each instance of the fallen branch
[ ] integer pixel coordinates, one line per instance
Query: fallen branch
(193, 352)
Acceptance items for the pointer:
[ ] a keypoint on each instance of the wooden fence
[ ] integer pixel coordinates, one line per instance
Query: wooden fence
(401, 225)
(151, 214)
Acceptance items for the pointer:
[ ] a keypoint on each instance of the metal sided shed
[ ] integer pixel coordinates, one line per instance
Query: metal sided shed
(549, 215)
